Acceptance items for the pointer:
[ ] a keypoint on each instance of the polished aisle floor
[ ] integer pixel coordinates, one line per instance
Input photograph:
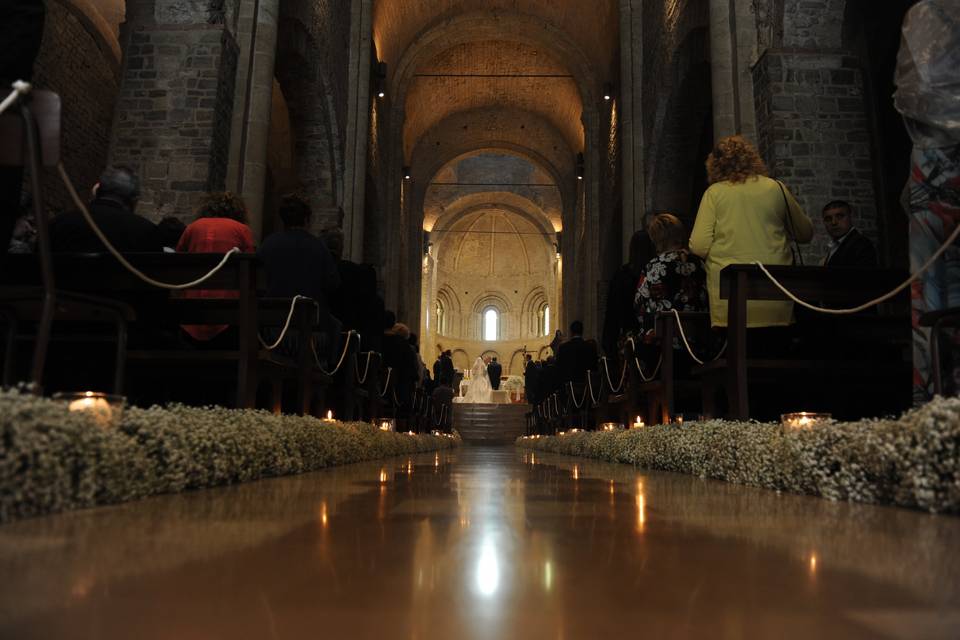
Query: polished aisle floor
(482, 543)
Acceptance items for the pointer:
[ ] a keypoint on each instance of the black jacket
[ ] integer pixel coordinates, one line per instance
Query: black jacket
(575, 357)
(298, 263)
(856, 250)
(128, 232)
(494, 371)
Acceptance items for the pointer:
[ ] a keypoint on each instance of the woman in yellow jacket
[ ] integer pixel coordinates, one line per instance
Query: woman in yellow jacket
(745, 217)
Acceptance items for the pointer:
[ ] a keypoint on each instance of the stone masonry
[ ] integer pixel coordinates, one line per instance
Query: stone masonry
(175, 106)
(814, 135)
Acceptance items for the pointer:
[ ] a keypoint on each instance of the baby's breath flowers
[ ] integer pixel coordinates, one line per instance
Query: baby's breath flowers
(912, 461)
(52, 459)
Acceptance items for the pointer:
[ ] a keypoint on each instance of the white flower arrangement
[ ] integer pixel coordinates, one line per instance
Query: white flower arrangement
(52, 459)
(913, 461)
(513, 383)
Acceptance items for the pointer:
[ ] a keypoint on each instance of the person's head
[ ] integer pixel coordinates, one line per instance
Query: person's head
(576, 328)
(641, 251)
(401, 330)
(494, 358)
(837, 218)
(734, 159)
(294, 212)
(171, 228)
(120, 184)
(223, 204)
(448, 353)
(529, 357)
(333, 238)
(667, 233)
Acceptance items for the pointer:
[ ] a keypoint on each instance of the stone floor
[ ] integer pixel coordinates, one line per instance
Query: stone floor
(482, 543)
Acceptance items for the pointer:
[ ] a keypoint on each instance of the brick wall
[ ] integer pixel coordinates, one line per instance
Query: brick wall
(813, 23)
(813, 133)
(78, 65)
(175, 113)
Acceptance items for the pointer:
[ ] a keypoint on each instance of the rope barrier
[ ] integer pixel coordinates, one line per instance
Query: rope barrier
(286, 325)
(116, 254)
(343, 354)
(20, 88)
(386, 386)
(366, 370)
(623, 376)
(595, 400)
(636, 362)
(866, 305)
(573, 396)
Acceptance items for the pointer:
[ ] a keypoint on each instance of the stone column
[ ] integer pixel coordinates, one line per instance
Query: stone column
(631, 118)
(733, 44)
(358, 126)
(175, 102)
(247, 174)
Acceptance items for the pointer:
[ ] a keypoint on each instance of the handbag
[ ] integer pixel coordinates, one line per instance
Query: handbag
(795, 247)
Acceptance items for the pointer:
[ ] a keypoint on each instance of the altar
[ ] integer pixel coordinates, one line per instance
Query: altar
(503, 395)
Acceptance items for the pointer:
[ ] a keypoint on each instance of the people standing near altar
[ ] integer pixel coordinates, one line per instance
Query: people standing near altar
(576, 356)
(494, 371)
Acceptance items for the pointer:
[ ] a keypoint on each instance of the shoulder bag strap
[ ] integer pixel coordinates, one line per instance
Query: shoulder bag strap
(789, 225)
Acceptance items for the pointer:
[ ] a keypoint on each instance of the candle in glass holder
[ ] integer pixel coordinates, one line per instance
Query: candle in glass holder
(386, 425)
(802, 420)
(680, 420)
(104, 409)
(610, 426)
(329, 417)
(638, 423)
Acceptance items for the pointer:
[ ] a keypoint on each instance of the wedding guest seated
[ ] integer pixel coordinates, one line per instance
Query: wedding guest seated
(576, 356)
(355, 301)
(112, 209)
(674, 279)
(619, 319)
(220, 225)
(298, 263)
(400, 357)
(848, 247)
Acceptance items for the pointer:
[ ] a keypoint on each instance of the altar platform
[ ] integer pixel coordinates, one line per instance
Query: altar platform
(499, 423)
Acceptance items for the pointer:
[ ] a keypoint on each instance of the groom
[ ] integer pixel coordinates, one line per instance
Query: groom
(493, 372)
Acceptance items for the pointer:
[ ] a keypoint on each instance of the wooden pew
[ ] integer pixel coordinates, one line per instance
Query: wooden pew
(160, 308)
(832, 288)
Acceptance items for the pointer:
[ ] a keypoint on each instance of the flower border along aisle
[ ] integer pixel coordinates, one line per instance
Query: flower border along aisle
(913, 461)
(52, 459)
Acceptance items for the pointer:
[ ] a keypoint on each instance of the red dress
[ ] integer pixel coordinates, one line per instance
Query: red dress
(213, 235)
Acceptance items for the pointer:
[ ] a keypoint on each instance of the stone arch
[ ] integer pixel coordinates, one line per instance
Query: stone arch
(92, 14)
(515, 366)
(460, 359)
(462, 209)
(307, 88)
(533, 304)
(489, 299)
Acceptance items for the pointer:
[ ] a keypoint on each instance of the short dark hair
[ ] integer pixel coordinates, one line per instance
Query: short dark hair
(494, 358)
(576, 328)
(294, 212)
(120, 182)
(838, 204)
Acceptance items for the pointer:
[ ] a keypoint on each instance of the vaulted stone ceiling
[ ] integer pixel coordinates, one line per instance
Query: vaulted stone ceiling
(493, 242)
(544, 59)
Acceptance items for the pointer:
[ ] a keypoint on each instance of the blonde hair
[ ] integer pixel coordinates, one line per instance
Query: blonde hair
(734, 159)
(667, 232)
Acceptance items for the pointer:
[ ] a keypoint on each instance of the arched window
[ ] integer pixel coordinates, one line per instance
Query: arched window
(491, 324)
(546, 320)
(441, 318)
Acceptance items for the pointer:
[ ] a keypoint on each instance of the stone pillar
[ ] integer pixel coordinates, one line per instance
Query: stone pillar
(358, 126)
(814, 133)
(175, 102)
(733, 45)
(631, 118)
(252, 105)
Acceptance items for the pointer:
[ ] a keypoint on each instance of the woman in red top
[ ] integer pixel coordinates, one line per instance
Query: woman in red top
(219, 227)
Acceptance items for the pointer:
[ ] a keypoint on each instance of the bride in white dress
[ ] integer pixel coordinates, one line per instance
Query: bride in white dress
(479, 389)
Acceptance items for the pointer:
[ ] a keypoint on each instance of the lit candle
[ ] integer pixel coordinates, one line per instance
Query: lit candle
(638, 423)
(610, 426)
(96, 406)
(680, 420)
(801, 420)
(386, 425)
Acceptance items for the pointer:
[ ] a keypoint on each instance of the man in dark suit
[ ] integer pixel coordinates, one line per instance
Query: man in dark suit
(446, 368)
(494, 371)
(848, 247)
(576, 355)
(355, 302)
(113, 210)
